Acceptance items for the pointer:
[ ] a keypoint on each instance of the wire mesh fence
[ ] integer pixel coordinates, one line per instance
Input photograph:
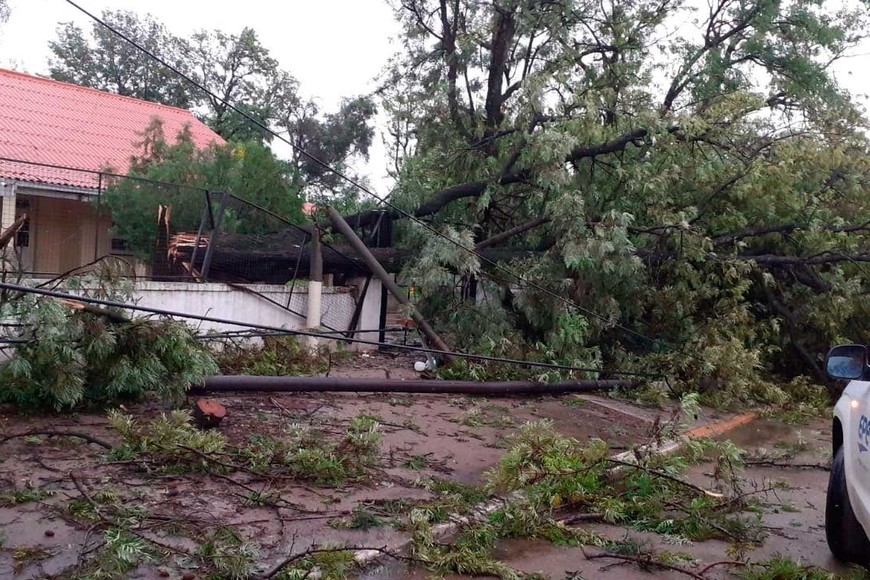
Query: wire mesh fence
(66, 220)
(72, 217)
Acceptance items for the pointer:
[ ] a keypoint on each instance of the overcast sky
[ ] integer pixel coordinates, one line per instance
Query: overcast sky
(336, 48)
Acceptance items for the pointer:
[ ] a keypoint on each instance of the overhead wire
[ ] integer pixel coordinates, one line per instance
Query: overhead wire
(353, 182)
(305, 333)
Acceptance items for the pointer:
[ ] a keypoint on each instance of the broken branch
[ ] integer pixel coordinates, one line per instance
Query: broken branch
(51, 433)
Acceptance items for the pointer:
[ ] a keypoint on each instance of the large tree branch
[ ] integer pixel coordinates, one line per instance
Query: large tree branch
(502, 36)
(514, 231)
(634, 137)
(476, 188)
(784, 229)
(815, 260)
(448, 44)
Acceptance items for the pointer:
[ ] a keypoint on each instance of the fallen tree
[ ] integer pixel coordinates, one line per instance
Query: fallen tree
(68, 353)
(716, 230)
(276, 258)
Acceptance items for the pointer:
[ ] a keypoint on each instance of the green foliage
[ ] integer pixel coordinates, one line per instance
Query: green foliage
(554, 472)
(247, 169)
(309, 455)
(363, 519)
(229, 554)
(108, 62)
(276, 356)
(168, 440)
(20, 496)
(704, 192)
(783, 568)
(802, 401)
(172, 443)
(328, 563)
(121, 553)
(71, 357)
(476, 329)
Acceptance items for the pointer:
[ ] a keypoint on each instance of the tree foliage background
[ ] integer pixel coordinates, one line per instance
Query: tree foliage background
(686, 182)
(233, 66)
(246, 169)
(692, 179)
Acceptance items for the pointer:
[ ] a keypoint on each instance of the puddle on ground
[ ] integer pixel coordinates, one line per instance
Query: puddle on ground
(759, 432)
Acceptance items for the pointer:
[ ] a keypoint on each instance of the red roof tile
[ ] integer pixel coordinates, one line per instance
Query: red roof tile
(53, 123)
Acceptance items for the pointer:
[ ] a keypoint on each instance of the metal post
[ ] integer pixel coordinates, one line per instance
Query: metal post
(378, 270)
(296, 271)
(385, 296)
(198, 238)
(357, 311)
(212, 241)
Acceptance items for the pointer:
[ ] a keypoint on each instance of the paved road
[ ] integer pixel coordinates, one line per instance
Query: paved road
(793, 516)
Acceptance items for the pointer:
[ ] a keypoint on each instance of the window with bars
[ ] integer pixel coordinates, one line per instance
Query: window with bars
(22, 238)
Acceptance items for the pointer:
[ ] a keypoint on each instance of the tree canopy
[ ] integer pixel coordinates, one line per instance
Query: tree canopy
(693, 180)
(246, 169)
(237, 68)
(107, 62)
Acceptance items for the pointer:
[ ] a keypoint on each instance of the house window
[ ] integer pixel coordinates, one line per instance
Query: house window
(22, 238)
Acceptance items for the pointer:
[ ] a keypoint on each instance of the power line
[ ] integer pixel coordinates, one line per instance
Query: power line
(306, 333)
(358, 185)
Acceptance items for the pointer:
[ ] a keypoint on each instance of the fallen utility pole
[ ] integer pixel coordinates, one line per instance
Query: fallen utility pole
(5, 286)
(357, 244)
(251, 384)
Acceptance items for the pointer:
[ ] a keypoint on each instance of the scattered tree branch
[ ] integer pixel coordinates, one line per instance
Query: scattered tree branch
(646, 562)
(53, 433)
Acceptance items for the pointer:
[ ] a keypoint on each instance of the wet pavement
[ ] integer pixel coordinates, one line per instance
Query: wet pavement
(425, 437)
(453, 439)
(793, 517)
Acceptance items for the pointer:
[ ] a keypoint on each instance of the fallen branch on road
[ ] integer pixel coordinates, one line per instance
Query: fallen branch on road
(787, 465)
(52, 433)
(645, 562)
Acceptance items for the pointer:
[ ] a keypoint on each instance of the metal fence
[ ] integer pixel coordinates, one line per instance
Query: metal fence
(167, 231)
(69, 220)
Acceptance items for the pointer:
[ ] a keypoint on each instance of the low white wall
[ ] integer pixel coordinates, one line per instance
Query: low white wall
(370, 317)
(257, 306)
(228, 303)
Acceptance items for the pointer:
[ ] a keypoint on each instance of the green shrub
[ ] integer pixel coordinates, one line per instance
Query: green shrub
(277, 356)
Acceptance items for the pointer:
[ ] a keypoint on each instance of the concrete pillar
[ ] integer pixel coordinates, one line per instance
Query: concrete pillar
(7, 218)
(7, 213)
(315, 287)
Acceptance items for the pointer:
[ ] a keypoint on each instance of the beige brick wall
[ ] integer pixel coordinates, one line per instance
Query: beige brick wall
(7, 212)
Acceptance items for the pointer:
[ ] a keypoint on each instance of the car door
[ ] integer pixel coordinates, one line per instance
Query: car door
(854, 411)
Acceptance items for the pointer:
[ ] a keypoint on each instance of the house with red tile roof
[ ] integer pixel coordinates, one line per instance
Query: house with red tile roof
(55, 139)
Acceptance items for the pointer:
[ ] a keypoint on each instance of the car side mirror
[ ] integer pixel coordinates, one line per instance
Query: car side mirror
(847, 361)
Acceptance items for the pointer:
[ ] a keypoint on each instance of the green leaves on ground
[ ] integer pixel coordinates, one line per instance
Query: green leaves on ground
(172, 443)
(69, 357)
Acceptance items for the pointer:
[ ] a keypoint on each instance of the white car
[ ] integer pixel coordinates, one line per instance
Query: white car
(847, 513)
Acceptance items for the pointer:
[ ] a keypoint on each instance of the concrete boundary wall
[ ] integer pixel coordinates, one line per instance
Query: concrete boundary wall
(257, 305)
